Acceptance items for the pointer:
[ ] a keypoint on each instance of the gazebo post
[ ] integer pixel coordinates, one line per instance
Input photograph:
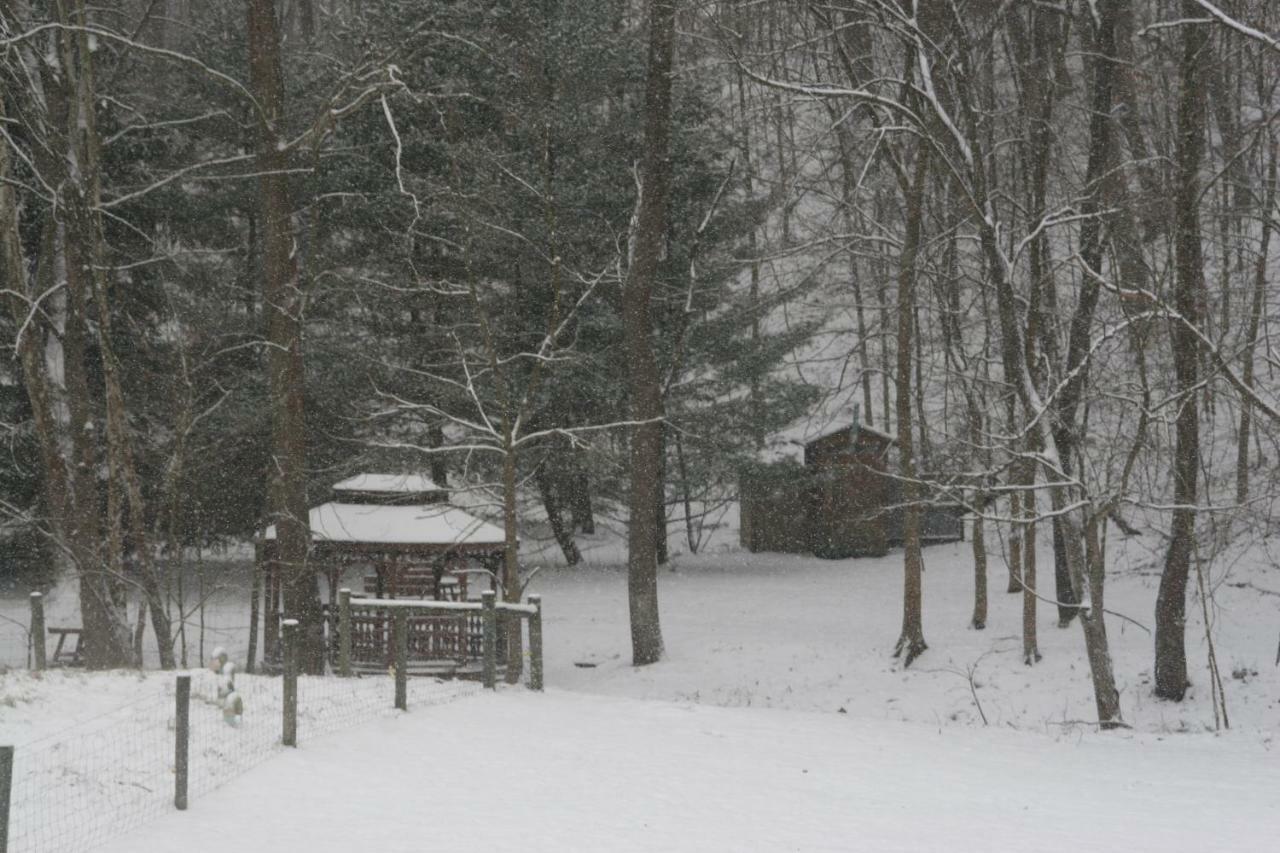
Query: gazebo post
(255, 606)
(535, 642)
(344, 633)
(402, 658)
(490, 647)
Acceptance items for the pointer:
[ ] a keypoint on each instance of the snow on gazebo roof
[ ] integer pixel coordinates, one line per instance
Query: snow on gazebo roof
(391, 484)
(371, 524)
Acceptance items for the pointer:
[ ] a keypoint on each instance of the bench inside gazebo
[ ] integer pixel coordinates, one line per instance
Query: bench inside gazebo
(393, 536)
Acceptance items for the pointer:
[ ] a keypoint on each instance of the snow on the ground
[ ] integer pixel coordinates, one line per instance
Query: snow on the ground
(825, 742)
(566, 772)
(95, 751)
(785, 631)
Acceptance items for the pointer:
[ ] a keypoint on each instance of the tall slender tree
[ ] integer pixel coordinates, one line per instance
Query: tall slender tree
(1189, 285)
(283, 304)
(644, 382)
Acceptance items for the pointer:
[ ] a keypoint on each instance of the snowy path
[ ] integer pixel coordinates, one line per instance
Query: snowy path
(596, 773)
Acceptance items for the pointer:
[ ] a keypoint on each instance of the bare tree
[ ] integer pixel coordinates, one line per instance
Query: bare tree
(1171, 601)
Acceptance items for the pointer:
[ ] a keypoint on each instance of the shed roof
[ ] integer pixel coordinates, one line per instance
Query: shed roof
(858, 429)
(392, 484)
(432, 524)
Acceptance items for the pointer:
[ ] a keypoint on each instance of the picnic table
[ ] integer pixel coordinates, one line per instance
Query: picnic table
(63, 656)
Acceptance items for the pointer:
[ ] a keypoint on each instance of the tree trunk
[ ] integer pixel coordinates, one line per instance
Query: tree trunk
(18, 298)
(660, 500)
(1014, 561)
(644, 383)
(1171, 600)
(979, 539)
(548, 488)
(102, 590)
(580, 493)
(1030, 642)
(511, 588)
(911, 642)
(1251, 336)
(283, 304)
(1061, 494)
(439, 470)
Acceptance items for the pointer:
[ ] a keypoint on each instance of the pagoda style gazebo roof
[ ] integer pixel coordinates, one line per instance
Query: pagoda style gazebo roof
(430, 527)
(389, 489)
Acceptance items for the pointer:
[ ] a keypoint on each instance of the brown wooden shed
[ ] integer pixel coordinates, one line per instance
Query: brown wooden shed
(843, 502)
(852, 493)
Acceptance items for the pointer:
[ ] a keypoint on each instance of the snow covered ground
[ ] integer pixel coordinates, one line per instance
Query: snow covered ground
(784, 723)
(567, 772)
(781, 631)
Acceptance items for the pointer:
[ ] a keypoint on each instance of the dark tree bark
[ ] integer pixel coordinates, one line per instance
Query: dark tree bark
(549, 481)
(1251, 336)
(1171, 600)
(1030, 642)
(439, 469)
(1062, 495)
(579, 492)
(660, 501)
(643, 380)
(75, 239)
(979, 620)
(283, 305)
(911, 642)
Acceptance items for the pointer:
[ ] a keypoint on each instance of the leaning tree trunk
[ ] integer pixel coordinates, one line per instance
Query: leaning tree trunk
(1062, 495)
(283, 304)
(1041, 89)
(911, 642)
(1100, 169)
(643, 380)
(1171, 600)
(549, 487)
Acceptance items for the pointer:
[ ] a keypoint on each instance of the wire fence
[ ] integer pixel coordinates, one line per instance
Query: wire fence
(83, 786)
(15, 642)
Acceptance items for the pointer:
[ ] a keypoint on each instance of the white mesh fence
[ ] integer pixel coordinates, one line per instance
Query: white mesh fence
(80, 787)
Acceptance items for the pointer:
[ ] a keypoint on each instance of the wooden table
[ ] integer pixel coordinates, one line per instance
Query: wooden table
(71, 656)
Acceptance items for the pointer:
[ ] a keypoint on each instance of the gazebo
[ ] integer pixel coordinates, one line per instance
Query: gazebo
(391, 536)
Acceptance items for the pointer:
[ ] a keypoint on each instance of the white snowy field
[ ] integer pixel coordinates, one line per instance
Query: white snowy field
(782, 631)
(567, 772)
(783, 723)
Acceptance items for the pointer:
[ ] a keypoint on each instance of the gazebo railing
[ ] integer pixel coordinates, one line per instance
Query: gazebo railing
(406, 634)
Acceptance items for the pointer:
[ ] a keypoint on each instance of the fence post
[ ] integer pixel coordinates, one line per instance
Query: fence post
(6, 788)
(181, 744)
(344, 633)
(490, 621)
(535, 643)
(402, 658)
(38, 631)
(289, 737)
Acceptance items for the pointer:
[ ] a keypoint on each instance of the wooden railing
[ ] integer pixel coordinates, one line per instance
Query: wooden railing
(432, 629)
